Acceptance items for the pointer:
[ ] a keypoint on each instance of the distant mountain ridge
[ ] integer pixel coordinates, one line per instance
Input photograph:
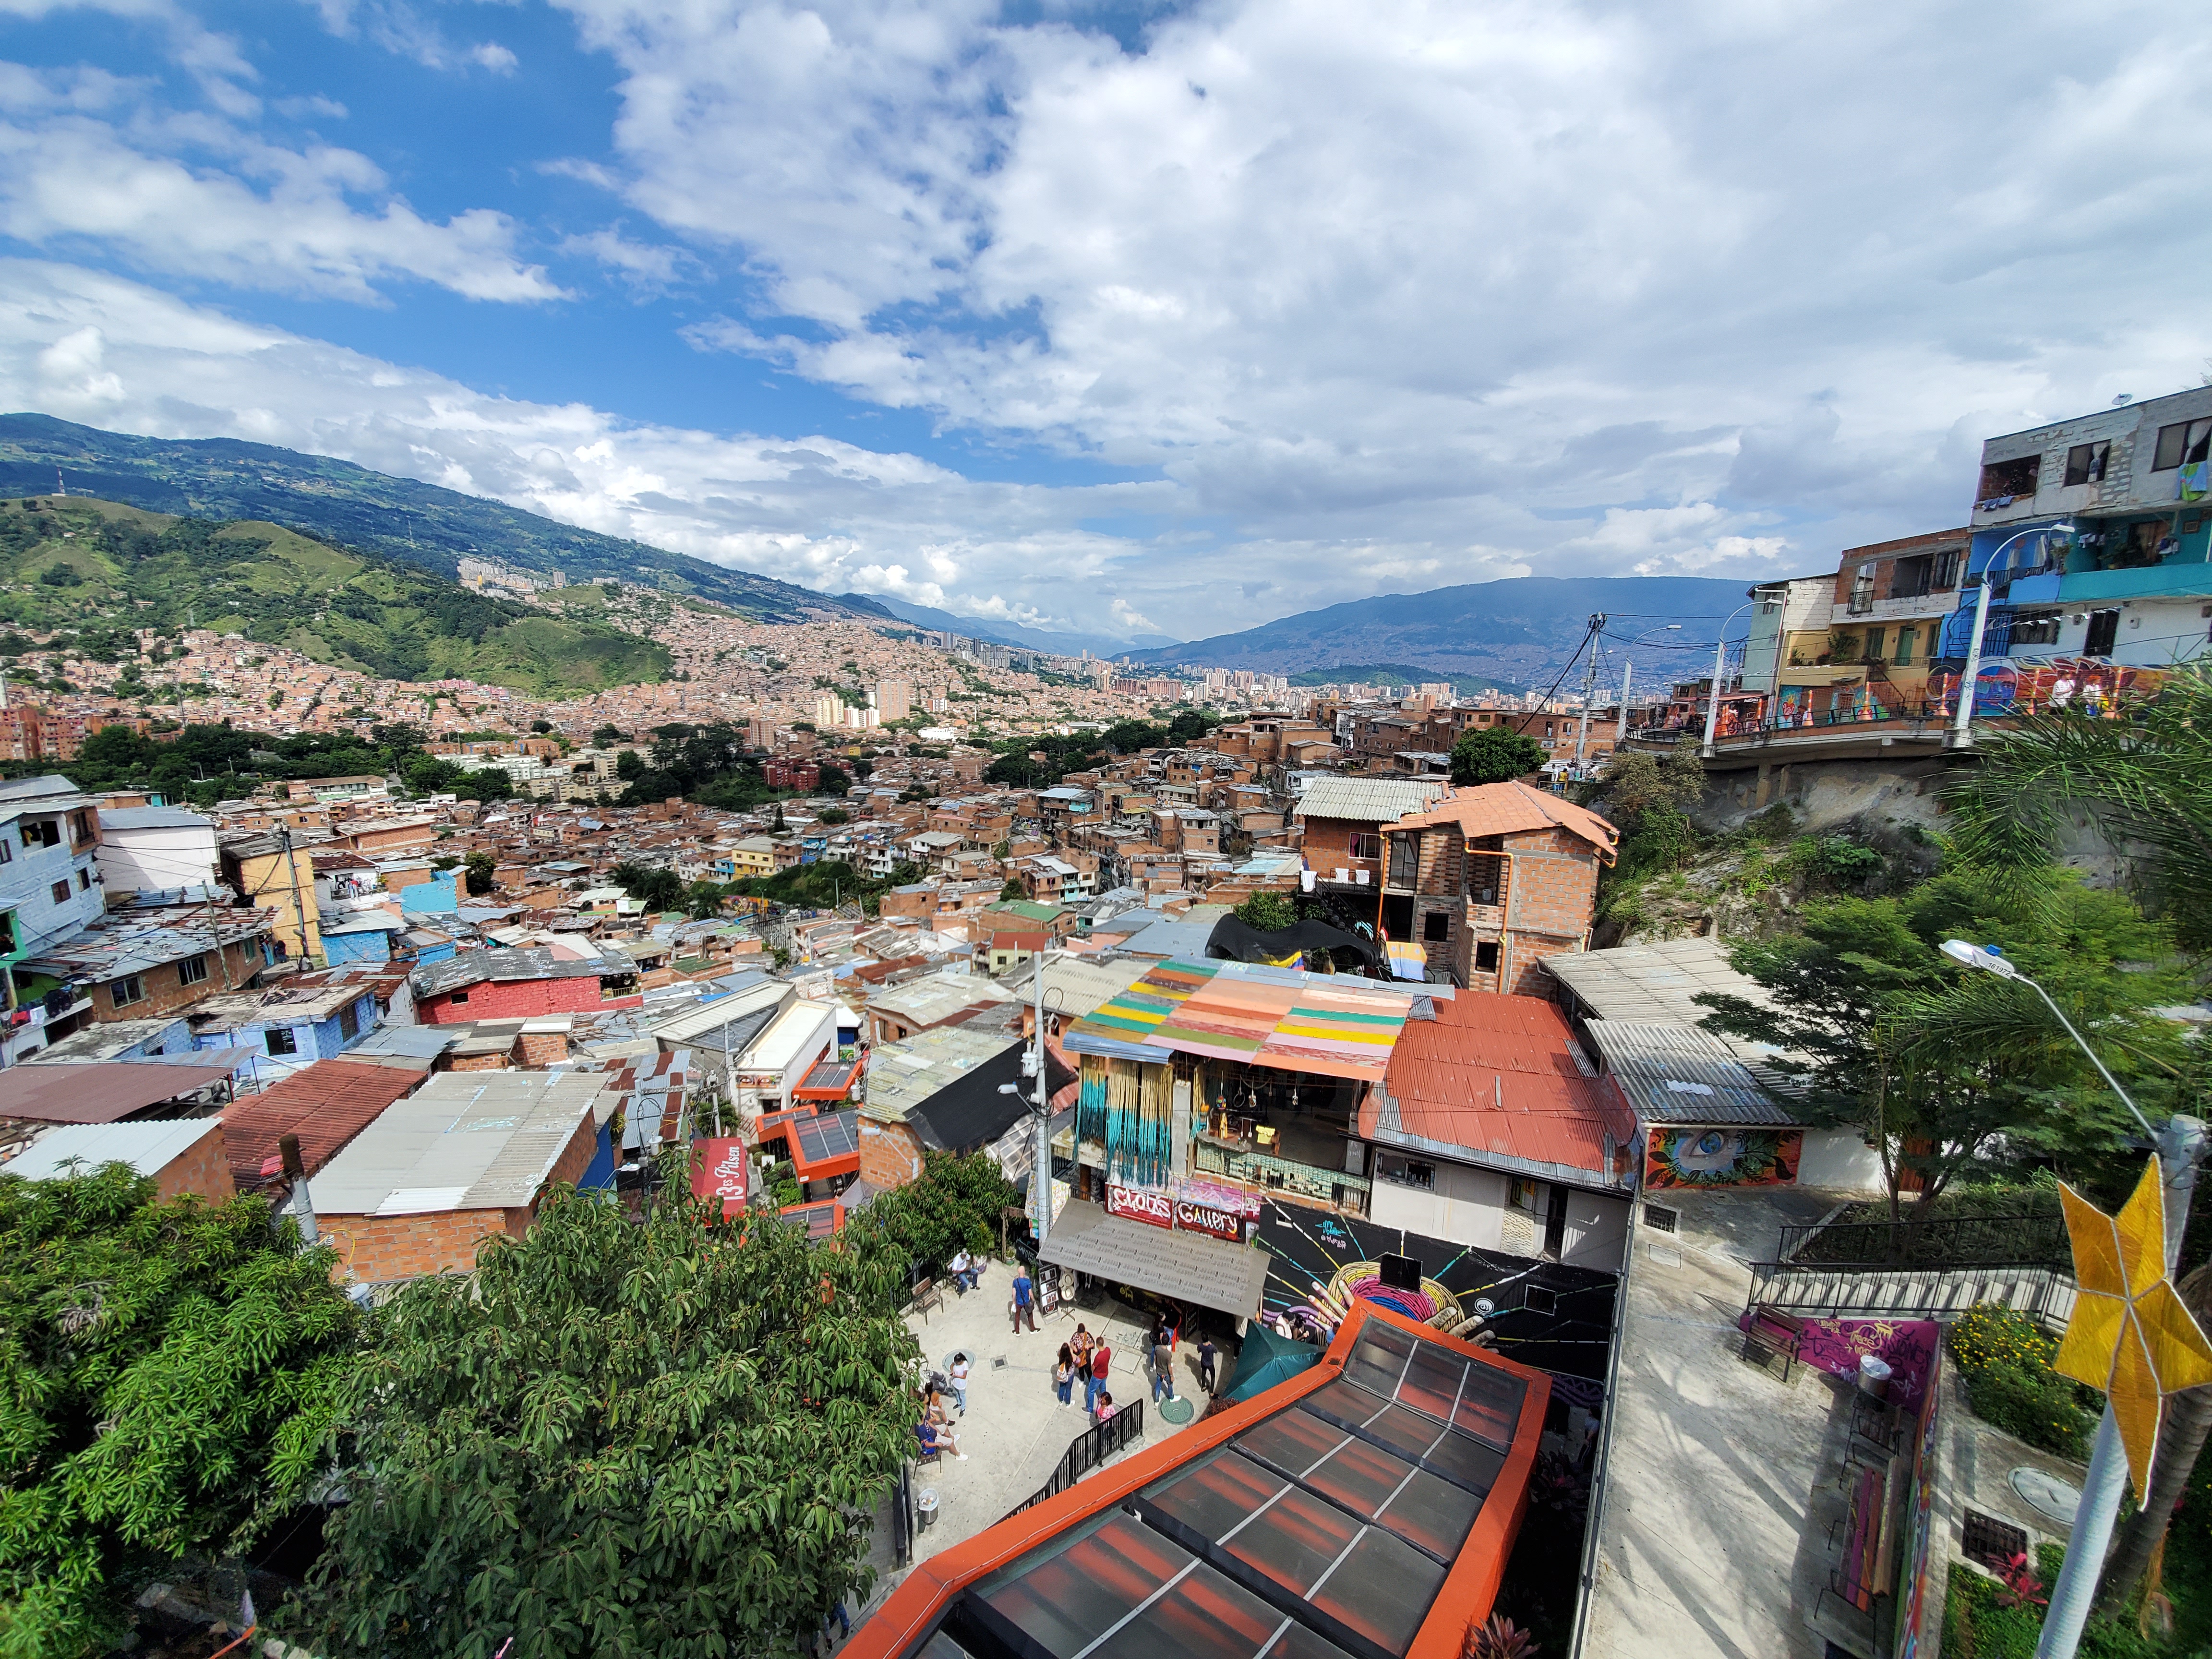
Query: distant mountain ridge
(418, 524)
(103, 569)
(1006, 632)
(1522, 629)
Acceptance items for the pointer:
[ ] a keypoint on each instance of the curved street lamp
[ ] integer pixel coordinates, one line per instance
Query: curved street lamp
(1963, 716)
(1720, 662)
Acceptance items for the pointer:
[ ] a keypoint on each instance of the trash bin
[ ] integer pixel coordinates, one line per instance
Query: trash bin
(1874, 1377)
(926, 1501)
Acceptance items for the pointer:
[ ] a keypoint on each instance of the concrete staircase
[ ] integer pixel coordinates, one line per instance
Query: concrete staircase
(1815, 1291)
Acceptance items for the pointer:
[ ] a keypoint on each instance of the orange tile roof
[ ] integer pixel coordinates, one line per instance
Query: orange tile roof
(1494, 1074)
(1506, 809)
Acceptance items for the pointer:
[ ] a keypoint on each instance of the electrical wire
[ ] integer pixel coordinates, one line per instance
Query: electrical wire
(1589, 638)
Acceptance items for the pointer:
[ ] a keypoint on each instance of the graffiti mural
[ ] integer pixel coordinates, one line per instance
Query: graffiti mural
(1722, 1157)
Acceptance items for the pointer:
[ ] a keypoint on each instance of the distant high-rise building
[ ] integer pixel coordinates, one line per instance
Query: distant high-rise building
(894, 700)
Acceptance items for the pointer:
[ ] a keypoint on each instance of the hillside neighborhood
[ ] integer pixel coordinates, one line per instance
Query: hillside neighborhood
(1229, 1164)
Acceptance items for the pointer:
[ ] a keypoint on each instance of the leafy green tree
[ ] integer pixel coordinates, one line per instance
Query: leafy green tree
(835, 780)
(1270, 913)
(703, 899)
(480, 874)
(1126, 736)
(1877, 1030)
(1012, 888)
(2146, 781)
(169, 1369)
(664, 1438)
(955, 1205)
(607, 735)
(1492, 754)
(657, 889)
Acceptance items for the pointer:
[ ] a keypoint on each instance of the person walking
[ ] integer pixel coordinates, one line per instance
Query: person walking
(1063, 1374)
(1162, 1366)
(959, 1380)
(1207, 1356)
(1105, 1408)
(1093, 1381)
(1082, 1343)
(1024, 1305)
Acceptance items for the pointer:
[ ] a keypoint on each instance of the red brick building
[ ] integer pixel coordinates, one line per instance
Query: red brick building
(1492, 880)
(522, 984)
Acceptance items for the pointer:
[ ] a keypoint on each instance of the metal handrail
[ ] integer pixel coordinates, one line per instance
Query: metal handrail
(2032, 1239)
(1773, 1282)
(1088, 1451)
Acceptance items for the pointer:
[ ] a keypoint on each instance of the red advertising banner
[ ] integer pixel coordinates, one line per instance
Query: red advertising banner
(1142, 1204)
(1203, 1218)
(1160, 1209)
(720, 1172)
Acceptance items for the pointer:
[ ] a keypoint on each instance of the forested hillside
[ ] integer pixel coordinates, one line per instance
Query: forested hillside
(104, 570)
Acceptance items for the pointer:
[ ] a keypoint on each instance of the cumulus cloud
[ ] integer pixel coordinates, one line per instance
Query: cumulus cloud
(84, 160)
(403, 30)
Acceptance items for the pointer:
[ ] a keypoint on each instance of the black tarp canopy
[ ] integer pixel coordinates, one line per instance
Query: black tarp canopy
(1232, 940)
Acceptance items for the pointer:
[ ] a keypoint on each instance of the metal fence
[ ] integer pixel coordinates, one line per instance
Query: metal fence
(1831, 1290)
(1088, 1451)
(2036, 1239)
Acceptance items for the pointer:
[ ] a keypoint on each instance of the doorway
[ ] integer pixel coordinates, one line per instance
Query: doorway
(1555, 1224)
(2103, 631)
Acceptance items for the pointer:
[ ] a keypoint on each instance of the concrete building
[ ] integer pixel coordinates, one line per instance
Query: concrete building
(157, 848)
(181, 1155)
(51, 883)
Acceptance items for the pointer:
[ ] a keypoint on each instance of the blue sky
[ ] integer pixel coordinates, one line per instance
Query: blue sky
(1130, 320)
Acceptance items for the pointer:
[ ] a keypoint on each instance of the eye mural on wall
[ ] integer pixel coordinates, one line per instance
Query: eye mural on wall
(1722, 1157)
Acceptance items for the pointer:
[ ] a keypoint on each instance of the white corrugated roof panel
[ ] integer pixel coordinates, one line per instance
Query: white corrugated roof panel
(1371, 800)
(466, 1140)
(147, 1147)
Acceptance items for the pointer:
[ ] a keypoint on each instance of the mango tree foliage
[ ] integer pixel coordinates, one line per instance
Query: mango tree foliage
(664, 1438)
(163, 1365)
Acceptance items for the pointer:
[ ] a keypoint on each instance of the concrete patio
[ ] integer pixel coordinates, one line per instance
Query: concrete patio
(1715, 1532)
(1016, 1431)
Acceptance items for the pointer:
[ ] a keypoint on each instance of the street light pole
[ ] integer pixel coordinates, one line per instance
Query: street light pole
(1720, 662)
(2180, 1145)
(1962, 717)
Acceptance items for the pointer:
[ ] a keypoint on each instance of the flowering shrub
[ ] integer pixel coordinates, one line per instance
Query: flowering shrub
(2005, 1360)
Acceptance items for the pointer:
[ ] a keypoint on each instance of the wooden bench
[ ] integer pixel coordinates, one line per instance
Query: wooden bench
(1868, 1566)
(926, 1295)
(1769, 1332)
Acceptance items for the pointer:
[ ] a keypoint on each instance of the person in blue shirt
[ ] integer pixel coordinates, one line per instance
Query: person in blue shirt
(1024, 1300)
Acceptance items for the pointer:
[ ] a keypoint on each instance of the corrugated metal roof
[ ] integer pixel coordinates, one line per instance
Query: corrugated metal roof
(1676, 1073)
(101, 1092)
(1498, 1078)
(1658, 982)
(326, 1104)
(1369, 800)
(1207, 1273)
(147, 1147)
(467, 1140)
(531, 962)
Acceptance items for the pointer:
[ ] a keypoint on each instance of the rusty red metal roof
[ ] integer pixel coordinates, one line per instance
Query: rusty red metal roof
(107, 1090)
(1498, 1074)
(326, 1104)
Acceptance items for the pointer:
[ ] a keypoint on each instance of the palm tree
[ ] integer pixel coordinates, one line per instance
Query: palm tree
(2144, 781)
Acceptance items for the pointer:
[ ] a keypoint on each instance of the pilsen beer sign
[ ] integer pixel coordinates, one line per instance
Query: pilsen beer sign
(720, 1172)
(1163, 1209)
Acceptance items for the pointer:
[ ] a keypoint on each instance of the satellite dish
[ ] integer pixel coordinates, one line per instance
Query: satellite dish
(2124, 397)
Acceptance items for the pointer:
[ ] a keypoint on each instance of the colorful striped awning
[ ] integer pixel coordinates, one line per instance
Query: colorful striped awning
(1330, 1026)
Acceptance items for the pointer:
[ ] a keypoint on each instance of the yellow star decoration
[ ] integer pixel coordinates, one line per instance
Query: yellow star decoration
(2131, 1335)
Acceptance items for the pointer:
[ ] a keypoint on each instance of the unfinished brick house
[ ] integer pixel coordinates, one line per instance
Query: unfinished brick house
(1491, 880)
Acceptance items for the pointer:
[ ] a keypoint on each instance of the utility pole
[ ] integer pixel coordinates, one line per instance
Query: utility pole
(299, 910)
(1590, 688)
(1620, 727)
(1041, 1180)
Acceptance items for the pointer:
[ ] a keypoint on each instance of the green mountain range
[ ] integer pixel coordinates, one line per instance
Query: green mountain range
(337, 502)
(105, 569)
(1394, 673)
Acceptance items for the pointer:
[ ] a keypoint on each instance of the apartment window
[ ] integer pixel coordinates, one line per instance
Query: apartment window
(2183, 444)
(1908, 578)
(7, 851)
(1408, 1172)
(279, 1040)
(127, 990)
(1486, 956)
(61, 892)
(2010, 478)
(1405, 860)
(46, 833)
(2038, 629)
(1906, 639)
(2085, 463)
(1946, 572)
(1485, 877)
(1521, 1194)
(81, 826)
(461, 996)
(348, 1023)
(1367, 847)
(1436, 926)
(192, 971)
(84, 881)
(1862, 590)
(1875, 636)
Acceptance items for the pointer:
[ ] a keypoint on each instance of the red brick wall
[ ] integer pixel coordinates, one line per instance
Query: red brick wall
(167, 994)
(470, 1063)
(519, 999)
(1551, 897)
(204, 1168)
(543, 1048)
(377, 1249)
(1329, 846)
(890, 1154)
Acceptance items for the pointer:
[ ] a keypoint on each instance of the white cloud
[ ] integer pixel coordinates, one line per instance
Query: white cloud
(212, 58)
(1417, 274)
(82, 161)
(402, 30)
